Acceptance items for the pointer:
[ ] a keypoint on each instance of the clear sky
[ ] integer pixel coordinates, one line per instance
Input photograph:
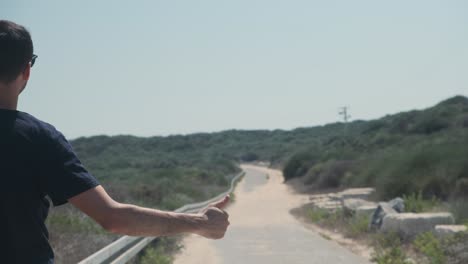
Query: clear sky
(175, 67)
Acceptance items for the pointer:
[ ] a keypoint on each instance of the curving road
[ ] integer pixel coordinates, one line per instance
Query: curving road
(263, 231)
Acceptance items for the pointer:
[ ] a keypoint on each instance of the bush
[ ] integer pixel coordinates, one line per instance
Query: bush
(436, 186)
(159, 252)
(313, 174)
(464, 121)
(456, 249)
(461, 187)
(374, 125)
(327, 218)
(155, 256)
(430, 126)
(317, 215)
(298, 165)
(417, 204)
(249, 157)
(357, 225)
(431, 247)
(388, 250)
(401, 123)
(333, 173)
(394, 255)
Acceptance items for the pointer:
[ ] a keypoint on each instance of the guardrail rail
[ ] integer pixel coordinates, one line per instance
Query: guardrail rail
(125, 248)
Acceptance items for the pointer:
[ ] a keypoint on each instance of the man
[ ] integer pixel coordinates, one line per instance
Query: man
(36, 162)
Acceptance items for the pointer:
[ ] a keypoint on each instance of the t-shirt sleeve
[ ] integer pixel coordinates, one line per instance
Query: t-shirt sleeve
(64, 176)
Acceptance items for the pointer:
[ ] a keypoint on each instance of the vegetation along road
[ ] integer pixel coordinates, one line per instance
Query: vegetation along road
(262, 229)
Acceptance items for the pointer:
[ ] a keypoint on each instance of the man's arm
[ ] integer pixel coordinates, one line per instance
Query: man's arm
(138, 221)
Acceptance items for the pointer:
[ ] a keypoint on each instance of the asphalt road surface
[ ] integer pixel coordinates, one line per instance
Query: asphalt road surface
(263, 231)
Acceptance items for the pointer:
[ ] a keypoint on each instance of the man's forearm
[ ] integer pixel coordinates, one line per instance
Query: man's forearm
(138, 221)
(132, 220)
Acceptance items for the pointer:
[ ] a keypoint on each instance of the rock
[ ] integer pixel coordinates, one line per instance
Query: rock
(366, 210)
(398, 204)
(325, 201)
(409, 225)
(335, 197)
(394, 206)
(352, 204)
(319, 196)
(334, 201)
(383, 209)
(328, 205)
(356, 193)
(448, 230)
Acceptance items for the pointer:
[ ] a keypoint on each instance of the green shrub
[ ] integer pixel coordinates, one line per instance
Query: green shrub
(353, 227)
(393, 255)
(327, 218)
(388, 250)
(159, 251)
(464, 122)
(461, 187)
(417, 204)
(335, 218)
(431, 125)
(431, 247)
(386, 240)
(249, 157)
(313, 174)
(455, 248)
(298, 165)
(317, 215)
(357, 225)
(333, 172)
(155, 256)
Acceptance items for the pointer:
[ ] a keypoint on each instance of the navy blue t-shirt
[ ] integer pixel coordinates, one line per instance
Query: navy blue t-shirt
(36, 161)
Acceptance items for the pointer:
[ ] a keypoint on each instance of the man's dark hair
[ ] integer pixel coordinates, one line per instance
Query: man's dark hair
(16, 50)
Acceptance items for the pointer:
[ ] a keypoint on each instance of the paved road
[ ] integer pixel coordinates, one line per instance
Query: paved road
(263, 231)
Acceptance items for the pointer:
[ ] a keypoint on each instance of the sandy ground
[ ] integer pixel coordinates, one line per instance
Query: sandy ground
(263, 230)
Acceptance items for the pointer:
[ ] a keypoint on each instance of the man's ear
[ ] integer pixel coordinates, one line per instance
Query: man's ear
(27, 72)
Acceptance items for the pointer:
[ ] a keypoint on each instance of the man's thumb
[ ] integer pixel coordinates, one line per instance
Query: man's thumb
(221, 203)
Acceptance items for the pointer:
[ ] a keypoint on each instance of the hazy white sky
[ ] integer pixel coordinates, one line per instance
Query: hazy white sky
(169, 67)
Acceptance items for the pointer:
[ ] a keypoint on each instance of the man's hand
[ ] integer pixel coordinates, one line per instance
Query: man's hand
(214, 220)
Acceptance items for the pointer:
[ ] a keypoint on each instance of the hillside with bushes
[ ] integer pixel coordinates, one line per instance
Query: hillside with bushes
(421, 150)
(417, 151)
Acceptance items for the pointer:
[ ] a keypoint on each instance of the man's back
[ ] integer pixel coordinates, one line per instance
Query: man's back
(36, 161)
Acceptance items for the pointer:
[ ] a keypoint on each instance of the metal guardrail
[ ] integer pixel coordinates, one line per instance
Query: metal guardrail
(125, 248)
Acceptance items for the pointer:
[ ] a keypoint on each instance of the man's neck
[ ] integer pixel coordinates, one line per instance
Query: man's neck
(8, 100)
(8, 106)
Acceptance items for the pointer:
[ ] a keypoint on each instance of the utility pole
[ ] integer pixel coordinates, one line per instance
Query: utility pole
(344, 112)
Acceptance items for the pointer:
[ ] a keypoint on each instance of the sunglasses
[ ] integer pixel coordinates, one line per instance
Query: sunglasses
(33, 60)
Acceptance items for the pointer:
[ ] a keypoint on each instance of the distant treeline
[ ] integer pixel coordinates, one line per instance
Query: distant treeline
(424, 150)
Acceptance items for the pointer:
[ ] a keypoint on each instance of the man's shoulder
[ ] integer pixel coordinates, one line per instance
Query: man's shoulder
(32, 124)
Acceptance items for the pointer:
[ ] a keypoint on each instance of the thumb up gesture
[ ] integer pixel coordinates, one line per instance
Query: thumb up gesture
(214, 220)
